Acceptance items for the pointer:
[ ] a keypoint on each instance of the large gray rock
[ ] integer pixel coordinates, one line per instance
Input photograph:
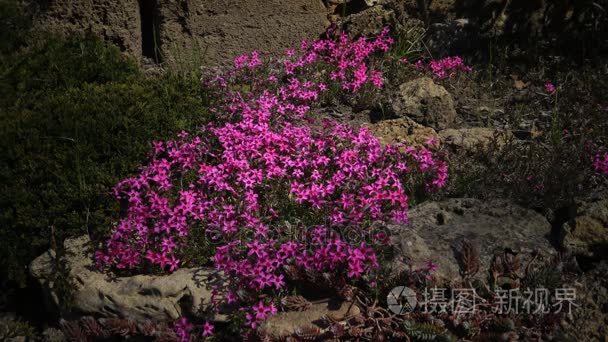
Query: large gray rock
(425, 102)
(587, 233)
(437, 230)
(160, 298)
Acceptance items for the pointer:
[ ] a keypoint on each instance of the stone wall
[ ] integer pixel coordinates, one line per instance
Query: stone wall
(117, 21)
(209, 32)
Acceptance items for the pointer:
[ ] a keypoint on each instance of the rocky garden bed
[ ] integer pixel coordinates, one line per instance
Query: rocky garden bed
(384, 180)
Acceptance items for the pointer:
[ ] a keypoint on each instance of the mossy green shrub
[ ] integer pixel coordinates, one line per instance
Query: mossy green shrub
(77, 116)
(15, 23)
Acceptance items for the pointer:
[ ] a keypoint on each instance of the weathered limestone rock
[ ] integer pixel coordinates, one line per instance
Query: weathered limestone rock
(437, 229)
(369, 22)
(425, 102)
(468, 139)
(402, 130)
(286, 324)
(587, 233)
(160, 298)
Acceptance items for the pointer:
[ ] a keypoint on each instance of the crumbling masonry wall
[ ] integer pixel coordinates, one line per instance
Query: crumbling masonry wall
(212, 31)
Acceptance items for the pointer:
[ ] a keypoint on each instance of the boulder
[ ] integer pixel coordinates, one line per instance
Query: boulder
(139, 297)
(368, 22)
(287, 323)
(587, 233)
(468, 139)
(437, 230)
(402, 130)
(425, 102)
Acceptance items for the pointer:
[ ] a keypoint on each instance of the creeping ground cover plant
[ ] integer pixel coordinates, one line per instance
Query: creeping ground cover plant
(271, 187)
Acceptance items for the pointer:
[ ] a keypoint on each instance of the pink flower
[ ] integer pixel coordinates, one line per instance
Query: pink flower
(182, 329)
(231, 297)
(431, 141)
(447, 67)
(431, 267)
(600, 163)
(419, 65)
(207, 329)
(550, 88)
(377, 79)
(260, 312)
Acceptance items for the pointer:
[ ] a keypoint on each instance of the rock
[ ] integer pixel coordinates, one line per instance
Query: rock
(210, 32)
(367, 2)
(403, 130)
(118, 22)
(451, 35)
(371, 3)
(425, 102)
(139, 297)
(468, 139)
(587, 233)
(590, 316)
(437, 230)
(368, 22)
(223, 29)
(287, 323)
(338, 2)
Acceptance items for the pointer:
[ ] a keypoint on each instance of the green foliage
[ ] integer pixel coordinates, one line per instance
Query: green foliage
(14, 328)
(503, 325)
(538, 175)
(15, 21)
(427, 332)
(52, 63)
(546, 276)
(77, 116)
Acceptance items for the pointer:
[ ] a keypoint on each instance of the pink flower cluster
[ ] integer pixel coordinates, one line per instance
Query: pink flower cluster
(347, 57)
(340, 62)
(241, 180)
(446, 67)
(600, 163)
